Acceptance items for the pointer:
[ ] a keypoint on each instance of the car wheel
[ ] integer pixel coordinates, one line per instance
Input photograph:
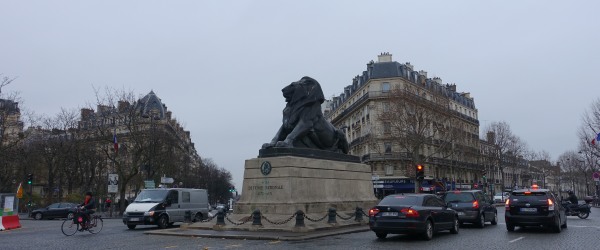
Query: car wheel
(557, 227)
(510, 227)
(163, 222)
(381, 235)
(38, 216)
(455, 226)
(428, 234)
(70, 216)
(131, 226)
(481, 221)
(198, 217)
(495, 219)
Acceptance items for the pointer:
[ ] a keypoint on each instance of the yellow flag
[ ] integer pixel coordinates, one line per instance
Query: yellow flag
(20, 191)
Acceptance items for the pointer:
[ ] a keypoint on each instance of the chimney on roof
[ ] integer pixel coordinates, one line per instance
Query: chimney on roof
(86, 113)
(384, 57)
(491, 137)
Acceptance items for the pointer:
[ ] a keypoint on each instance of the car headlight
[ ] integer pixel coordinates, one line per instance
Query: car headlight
(125, 214)
(151, 213)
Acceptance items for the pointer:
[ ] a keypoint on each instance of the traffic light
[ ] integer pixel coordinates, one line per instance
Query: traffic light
(420, 172)
(232, 189)
(484, 175)
(29, 179)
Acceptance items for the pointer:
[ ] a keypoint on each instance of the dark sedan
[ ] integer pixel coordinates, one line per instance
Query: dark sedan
(421, 214)
(472, 206)
(56, 210)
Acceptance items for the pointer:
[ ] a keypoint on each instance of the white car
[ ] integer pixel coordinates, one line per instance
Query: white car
(500, 197)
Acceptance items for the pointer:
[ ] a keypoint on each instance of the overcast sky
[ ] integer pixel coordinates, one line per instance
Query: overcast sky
(220, 65)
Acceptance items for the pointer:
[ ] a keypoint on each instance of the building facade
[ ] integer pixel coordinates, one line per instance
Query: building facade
(396, 117)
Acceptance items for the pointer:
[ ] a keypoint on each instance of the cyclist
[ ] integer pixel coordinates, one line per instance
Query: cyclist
(88, 207)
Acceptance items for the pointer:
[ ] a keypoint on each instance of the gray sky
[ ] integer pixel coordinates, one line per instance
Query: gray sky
(220, 65)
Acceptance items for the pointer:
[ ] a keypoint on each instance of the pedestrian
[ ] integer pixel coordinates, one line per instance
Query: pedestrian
(107, 202)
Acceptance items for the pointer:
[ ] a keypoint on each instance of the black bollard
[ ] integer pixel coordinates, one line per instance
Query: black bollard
(221, 218)
(358, 214)
(256, 216)
(299, 218)
(332, 214)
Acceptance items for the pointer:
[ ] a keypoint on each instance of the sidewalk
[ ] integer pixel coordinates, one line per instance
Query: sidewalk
(258, 235)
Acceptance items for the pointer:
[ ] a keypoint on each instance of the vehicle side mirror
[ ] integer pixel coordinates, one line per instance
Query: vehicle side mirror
(168, 202)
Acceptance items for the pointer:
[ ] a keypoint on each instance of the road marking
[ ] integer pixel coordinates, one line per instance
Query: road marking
(171, 247)
(232, 246)
(520, 238)
(585, 226)
(275, 242)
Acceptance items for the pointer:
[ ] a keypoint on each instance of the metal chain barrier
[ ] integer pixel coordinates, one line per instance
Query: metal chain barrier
(345, 218)
(365, 214)
(242, 222)
(280, 222)
(315, 220)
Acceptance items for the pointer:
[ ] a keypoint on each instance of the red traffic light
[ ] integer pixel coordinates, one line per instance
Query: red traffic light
(419, 167)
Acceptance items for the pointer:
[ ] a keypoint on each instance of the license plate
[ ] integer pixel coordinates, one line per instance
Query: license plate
(134, 219)
(461, 213)
(389, 214)
(528, 209)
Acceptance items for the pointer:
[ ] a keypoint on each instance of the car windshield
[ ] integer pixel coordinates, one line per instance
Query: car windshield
(458, 197)
(157, 195)
(399, 200)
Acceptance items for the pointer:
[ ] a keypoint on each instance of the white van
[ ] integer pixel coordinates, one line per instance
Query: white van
(163, 207)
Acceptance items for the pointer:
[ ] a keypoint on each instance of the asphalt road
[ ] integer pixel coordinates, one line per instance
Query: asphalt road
(46, 234)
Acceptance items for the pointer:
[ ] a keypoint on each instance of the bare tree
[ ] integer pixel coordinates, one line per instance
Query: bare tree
(510, 147)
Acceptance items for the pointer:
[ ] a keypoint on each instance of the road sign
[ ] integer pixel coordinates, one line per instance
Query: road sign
(378, 186)
(475, 185)
(149, 184)
(596, 176)
(166, 180)
(375, 177)
(113, 183)
(377, 182)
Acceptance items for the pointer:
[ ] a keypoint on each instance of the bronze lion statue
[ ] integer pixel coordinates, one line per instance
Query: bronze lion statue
(303, 123)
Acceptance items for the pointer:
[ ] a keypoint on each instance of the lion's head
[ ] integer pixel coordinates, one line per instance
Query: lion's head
(302, 92)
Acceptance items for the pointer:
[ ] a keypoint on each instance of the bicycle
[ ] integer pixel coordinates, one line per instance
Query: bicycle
(71, 226)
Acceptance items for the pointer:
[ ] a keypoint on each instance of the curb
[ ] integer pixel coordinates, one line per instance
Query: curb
(248, 235)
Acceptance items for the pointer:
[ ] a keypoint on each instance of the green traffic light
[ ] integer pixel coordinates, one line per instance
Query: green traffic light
(29, 182)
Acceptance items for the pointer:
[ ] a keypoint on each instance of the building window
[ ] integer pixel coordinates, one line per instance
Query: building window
(387, 127)
(389, 170)
(388, 147)
(385, 87)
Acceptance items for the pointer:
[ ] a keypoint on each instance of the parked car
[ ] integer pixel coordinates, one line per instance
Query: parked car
(534, 207)
(56, 210)
(472, 206)
(421, 214)
(164, 207)
(501, 197)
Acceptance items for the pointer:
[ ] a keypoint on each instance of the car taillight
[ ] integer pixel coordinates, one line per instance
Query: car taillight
(79, 219)
(507, 204)
(373, 212)
(409, 212)
(550, 205)
(475, 204)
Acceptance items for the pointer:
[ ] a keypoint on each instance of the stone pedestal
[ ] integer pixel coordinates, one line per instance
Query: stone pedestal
(284, 184)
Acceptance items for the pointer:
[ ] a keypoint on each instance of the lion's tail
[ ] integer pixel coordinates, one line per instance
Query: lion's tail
(342, 141)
